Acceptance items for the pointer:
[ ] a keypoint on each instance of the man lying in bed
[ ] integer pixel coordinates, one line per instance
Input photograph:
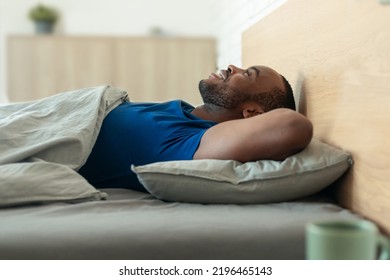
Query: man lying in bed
(247, 115)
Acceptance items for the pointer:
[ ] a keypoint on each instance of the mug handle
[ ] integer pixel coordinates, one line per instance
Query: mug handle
(384, 247)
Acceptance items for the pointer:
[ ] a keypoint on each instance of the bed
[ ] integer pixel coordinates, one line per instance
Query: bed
(126, 224)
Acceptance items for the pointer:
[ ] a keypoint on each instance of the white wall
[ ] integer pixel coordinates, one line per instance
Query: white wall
(224, 19)
(230, 19)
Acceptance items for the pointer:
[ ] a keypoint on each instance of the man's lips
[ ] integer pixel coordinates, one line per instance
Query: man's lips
(215, 76)
(223, 75)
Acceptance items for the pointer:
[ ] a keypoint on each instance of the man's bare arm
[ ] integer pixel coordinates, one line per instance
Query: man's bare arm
(273, 135)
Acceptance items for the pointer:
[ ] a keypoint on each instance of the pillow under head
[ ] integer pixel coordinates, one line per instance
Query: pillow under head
(229, 181)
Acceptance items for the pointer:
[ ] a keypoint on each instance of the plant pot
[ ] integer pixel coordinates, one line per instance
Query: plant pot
(43, 27)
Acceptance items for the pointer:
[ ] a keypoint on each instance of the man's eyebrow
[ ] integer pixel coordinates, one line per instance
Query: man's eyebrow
(256, 70)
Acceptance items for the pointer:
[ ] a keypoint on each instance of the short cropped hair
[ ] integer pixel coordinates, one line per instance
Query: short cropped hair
(277, 98)
(290, 101)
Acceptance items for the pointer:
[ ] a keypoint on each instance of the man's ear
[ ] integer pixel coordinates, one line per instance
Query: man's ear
(251, 110)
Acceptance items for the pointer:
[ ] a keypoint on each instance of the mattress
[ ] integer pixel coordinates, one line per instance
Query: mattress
(135, 225)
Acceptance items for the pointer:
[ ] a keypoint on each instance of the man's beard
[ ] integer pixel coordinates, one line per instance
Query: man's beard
(221, 95)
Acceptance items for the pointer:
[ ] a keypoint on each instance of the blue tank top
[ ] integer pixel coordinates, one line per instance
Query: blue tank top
(142, 133)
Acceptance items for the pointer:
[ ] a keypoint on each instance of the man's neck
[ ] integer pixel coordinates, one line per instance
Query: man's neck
(214, 113)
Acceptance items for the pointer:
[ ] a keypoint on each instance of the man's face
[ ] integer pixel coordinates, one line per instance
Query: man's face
(234, 85)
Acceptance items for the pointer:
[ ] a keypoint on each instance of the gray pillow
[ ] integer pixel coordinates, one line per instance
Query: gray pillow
(229, 181)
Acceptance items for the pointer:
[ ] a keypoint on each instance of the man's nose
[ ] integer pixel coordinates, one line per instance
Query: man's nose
(234, 69)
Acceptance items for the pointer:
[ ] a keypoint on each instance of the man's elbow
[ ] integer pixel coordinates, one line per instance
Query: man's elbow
(300, 132)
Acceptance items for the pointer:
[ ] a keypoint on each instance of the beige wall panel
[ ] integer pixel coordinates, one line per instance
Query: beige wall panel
(150, 69)
(40, 66)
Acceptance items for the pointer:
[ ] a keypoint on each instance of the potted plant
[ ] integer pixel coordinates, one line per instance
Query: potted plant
(44, 18)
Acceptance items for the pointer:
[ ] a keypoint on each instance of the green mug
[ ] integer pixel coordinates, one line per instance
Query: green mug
(345, 240)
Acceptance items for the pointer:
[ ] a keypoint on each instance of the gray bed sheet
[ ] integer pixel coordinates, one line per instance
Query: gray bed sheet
(134, 225)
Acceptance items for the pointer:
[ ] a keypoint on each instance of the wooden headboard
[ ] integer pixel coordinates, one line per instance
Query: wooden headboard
(336, 55)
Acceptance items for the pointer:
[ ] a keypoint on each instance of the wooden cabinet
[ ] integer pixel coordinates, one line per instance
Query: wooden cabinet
(150, 69)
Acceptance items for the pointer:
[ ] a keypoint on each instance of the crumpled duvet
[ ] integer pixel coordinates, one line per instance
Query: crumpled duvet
(43, 143)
